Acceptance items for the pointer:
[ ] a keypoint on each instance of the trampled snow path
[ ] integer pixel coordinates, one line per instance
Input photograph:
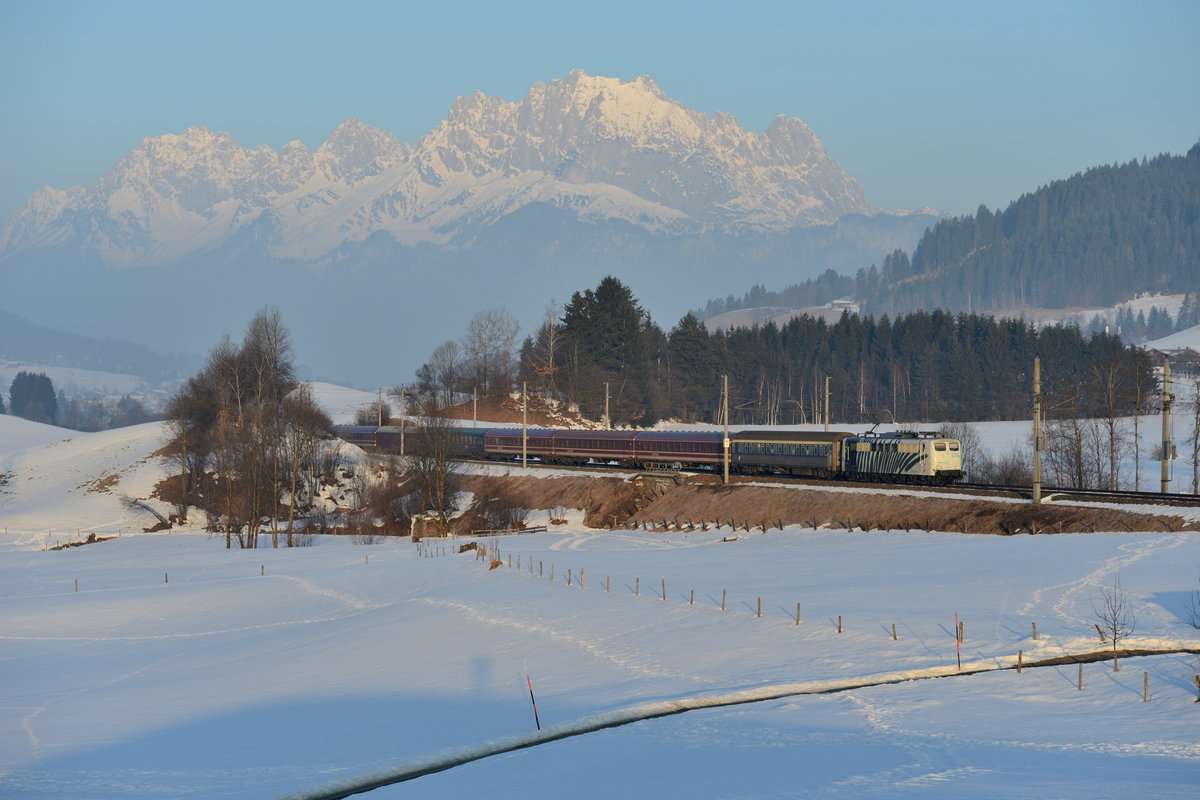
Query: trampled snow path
(648, 711)
(138, 688)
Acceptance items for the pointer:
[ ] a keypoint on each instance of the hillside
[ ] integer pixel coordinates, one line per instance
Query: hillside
(1094, 239)
(138, 666)
(1084, 244)
(26, 341)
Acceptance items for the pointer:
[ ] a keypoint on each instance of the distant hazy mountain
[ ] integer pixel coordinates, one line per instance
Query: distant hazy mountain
(25, 341)
(502, 203)
(602, 148)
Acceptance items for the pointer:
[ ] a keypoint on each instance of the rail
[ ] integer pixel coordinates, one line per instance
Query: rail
(508, 531)
(1116, 496)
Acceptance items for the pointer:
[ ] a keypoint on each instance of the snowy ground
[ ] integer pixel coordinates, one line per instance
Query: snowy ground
(1186, 338)
(259, 674)
(181, 669)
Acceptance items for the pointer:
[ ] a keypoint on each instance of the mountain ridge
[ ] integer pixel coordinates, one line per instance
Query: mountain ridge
(603, 148)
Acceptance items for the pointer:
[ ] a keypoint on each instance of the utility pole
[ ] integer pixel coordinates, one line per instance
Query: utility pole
(1167, 398)
(1137, 446)
(862, 391)
(379, 407)
(827, 404)
(524, 427)
(474, 406)
(607, 418)
(401, 420)
(725, 416)
(1037, 430)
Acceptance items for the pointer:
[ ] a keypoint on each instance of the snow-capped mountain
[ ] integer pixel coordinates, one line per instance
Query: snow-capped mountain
(599, 148)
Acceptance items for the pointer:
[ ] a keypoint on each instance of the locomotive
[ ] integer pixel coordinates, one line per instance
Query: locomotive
(899, 457)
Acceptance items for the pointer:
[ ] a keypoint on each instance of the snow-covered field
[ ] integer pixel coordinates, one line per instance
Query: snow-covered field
(1186, 338)
(181, 669)
(74, 380)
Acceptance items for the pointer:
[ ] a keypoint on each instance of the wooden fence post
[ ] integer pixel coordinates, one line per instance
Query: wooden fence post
(1081, 676)
(722, 599)
(839, 623)
(539, 568)
(894, 632)
(1145, 687)
(797, 613)
(692, 600)
(1020, 656)
(760, 606)
(581, 583)
(77, 589)
(664, 587)
(568, 577)
(1035, 631)
(637, 587)
(608, 583)
(165, 580)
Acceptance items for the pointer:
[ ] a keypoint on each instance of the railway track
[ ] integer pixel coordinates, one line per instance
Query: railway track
(1049, 493)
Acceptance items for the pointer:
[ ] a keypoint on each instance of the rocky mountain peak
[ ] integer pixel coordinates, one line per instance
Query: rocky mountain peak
(355, 150)
(603, 148)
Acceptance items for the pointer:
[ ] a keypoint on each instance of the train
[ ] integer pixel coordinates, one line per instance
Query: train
(895, 457)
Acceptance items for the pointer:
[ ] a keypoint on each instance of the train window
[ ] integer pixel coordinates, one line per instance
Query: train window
(939, 446)
(954, 447)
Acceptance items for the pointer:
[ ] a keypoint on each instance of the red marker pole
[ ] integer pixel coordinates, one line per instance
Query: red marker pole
(957, 642)
(535, 714)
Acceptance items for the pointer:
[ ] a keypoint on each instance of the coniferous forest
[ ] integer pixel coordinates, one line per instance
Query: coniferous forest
(1095, 239)
(929, 366)
(1098, 238)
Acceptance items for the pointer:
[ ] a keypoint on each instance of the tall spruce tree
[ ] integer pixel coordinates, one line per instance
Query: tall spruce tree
(605, 337)
(32, 397)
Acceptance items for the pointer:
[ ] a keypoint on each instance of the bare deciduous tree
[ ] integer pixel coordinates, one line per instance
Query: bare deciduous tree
(1193, 610)
(488, 346)
(545, 351)
(429, 461)
(1109, 378)
(377, 413)
(439, 376)
(1115, 612)
(304, 423)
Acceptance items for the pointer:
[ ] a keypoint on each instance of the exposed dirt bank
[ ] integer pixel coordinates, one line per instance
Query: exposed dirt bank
(616, 503)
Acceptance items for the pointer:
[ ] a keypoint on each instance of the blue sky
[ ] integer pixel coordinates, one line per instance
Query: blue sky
(945, 104)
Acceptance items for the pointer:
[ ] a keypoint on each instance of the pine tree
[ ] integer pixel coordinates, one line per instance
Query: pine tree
(32, 396)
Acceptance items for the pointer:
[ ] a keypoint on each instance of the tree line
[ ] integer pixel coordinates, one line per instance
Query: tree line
(919, 366)
(1097, 238)
(33, 397)
(1094, 239)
